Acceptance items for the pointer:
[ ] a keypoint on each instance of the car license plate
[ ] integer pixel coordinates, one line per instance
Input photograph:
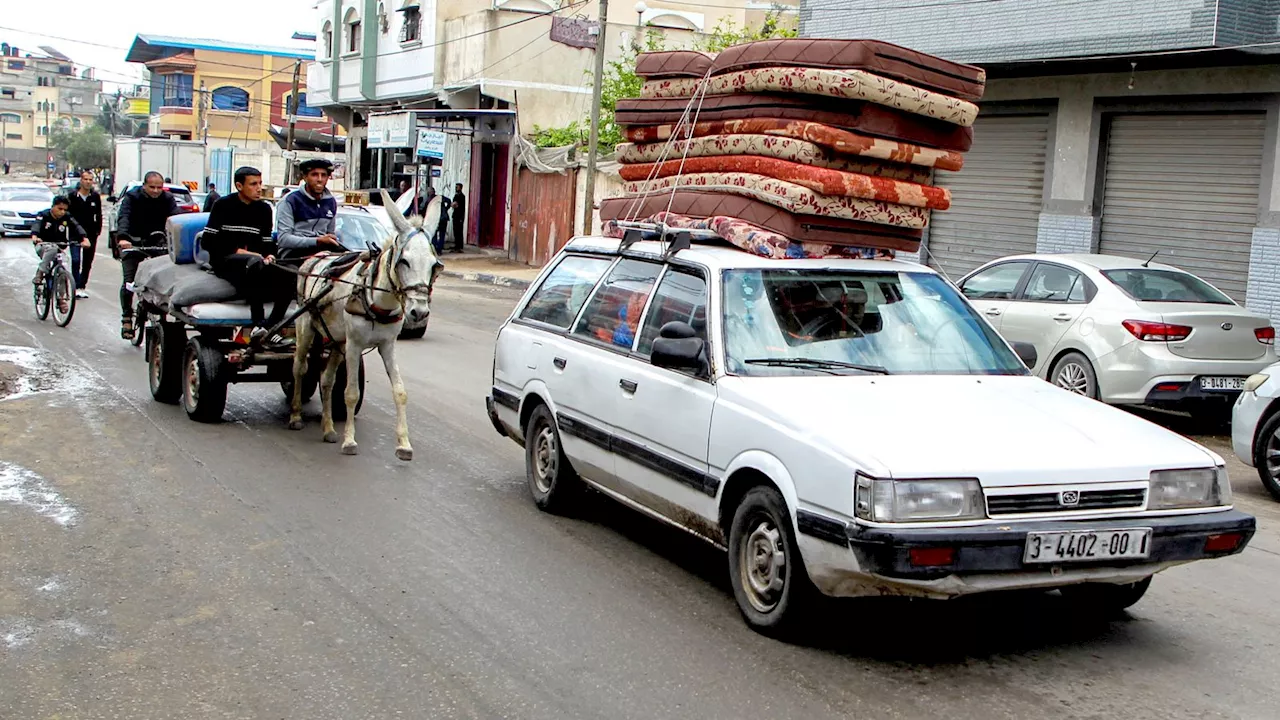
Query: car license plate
(1222, 383)
(1087, 545)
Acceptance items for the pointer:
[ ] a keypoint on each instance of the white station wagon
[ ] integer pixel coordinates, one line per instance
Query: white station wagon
(843, 427)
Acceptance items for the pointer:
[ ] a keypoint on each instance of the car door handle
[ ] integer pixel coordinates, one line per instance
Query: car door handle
(993, 311)
(1064, 317)
(628, 386)
(559, 363)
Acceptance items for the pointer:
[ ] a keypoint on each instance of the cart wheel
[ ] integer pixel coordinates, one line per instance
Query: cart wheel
(204, 382)
(340, 388)
(164, 361)
(310, 381)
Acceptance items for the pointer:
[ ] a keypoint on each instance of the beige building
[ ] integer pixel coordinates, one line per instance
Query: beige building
(38, 93)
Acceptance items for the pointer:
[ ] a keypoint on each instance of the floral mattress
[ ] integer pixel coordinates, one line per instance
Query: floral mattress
(832, 183)
(759, 241)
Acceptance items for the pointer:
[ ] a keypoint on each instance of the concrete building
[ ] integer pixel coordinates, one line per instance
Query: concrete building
(478, 72)
(234, 96)
(1108, 126)
(40, 91)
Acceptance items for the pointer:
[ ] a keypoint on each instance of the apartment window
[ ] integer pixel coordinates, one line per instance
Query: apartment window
(353, 31)
(327, 37)
(303, 110)
(411, 28)
(75, 122)
(13, 136)
(17, 65)
(231, 99)
(8, 93)
(176, 90)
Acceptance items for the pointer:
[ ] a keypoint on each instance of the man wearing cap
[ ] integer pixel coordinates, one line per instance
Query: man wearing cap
(307, 218)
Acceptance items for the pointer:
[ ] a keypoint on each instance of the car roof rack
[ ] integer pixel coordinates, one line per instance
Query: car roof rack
(677, 238)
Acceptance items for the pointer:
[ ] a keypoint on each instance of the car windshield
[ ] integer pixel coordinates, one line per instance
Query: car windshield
(358, 231)
(794, 321)
(1146, 284)
(26, 195)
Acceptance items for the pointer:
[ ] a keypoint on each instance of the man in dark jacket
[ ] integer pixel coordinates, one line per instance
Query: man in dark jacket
(459, 218)
(211, 198)
(241, 251)
(56, 228)
(142, 213)
(86, 209)
(307, 218)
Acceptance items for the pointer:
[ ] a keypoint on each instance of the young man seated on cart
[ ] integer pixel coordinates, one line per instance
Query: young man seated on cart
(241, 251)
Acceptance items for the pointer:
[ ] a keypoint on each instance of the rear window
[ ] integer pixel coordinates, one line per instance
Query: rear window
(1151, 285)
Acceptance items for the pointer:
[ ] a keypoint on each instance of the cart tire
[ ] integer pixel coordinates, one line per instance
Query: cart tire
(165, 345)
(204, 382)
(339, 389)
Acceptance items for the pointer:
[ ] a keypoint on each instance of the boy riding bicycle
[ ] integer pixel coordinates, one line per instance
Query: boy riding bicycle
(55, 230)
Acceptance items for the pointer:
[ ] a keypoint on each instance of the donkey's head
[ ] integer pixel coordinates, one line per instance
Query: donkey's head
(411, 264)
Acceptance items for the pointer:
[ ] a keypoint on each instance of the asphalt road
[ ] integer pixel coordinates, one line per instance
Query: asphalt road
(152, 567)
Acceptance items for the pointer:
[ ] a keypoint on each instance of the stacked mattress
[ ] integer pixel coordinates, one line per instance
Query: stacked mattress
(796, 148)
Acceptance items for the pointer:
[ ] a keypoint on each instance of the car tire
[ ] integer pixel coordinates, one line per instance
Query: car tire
(1268, 441)
(769, 579)
(554, 484)
(1074, 373)
(1105, 598)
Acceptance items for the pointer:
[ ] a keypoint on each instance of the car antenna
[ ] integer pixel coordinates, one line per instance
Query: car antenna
(1153, 257)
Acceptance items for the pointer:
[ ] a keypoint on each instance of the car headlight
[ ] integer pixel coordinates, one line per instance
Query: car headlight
(8, 213)
(881, 500)
(1174, 489)
(1255, 381)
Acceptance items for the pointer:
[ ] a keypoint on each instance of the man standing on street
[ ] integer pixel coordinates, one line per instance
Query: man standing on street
(238, 238)
(212, 198)
(459, 218)
(307, 218)
(86, 209)
(140, 222)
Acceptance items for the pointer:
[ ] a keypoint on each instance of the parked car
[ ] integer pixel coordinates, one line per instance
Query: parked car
(1255, 427)
(1124, 331)
(186, 203)
(20, 203)
(843, 427)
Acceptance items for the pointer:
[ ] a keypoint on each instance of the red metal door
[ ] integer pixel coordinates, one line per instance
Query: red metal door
(542, 205)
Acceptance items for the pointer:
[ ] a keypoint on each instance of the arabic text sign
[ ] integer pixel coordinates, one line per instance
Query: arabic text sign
(431, 143)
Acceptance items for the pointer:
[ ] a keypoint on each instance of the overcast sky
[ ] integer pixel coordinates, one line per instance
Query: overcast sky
(91, 24)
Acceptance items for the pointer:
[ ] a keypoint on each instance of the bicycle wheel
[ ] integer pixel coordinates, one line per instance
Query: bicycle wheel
(139, 323)
(40, 295)
(64, 296)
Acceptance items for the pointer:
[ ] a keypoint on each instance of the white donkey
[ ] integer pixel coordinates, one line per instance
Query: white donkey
(364, 307)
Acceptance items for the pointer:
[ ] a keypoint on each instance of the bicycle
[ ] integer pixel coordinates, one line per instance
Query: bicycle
(58, 291)
(155, 246)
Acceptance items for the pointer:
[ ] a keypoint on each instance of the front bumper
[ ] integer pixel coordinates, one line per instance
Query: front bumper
(17, 226)
(852, 559)
(1247, 414)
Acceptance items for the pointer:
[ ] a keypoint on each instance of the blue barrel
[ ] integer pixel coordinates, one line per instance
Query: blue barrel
(182, 230)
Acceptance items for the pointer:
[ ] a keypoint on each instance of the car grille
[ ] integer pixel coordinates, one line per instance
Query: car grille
(1051, 501)
(28, 215)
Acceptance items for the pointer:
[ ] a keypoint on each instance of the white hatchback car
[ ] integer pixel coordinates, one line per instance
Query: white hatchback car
(1255, 427)
(1123, 332)
(843, 427)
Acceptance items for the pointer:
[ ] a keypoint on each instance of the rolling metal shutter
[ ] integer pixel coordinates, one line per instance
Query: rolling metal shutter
(1186, 185)
(995, 198)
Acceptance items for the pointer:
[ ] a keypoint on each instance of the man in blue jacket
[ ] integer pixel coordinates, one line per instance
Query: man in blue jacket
(307, 218)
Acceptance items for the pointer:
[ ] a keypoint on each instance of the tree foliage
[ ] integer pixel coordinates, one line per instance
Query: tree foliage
(87, 148)
(620, 80)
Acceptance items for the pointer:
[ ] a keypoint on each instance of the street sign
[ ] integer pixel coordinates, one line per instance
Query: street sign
(431, 143)
(289, 154)
(390, 130)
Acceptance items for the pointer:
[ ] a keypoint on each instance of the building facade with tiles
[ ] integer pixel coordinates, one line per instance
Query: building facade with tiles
(1108, 126)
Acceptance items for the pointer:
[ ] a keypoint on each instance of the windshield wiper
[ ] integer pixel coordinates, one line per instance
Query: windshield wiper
(814, 364)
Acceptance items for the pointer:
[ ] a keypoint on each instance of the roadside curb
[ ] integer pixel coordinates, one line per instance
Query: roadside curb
(489, 279)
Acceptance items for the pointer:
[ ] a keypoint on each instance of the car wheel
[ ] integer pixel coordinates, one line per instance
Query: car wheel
(1074, 372)
(1104, 598)
(552, 481)
(769, 579)
(1266, 455)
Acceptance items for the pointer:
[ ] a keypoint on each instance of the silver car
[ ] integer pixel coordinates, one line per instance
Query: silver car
(1123, 331)
(1255, 426)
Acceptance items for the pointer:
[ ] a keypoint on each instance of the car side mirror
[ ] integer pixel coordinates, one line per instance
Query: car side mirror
(1026, 352)
(678, 347)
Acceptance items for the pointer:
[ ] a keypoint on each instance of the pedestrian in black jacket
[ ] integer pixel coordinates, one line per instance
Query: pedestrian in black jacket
(241, 251)
(212, 198)
(86, 208)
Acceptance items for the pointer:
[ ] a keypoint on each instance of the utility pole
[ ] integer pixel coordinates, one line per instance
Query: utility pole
(593, 141)
(293, 121)
(48, 133)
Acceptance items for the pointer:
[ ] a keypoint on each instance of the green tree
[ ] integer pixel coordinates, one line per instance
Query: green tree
(87, 148)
